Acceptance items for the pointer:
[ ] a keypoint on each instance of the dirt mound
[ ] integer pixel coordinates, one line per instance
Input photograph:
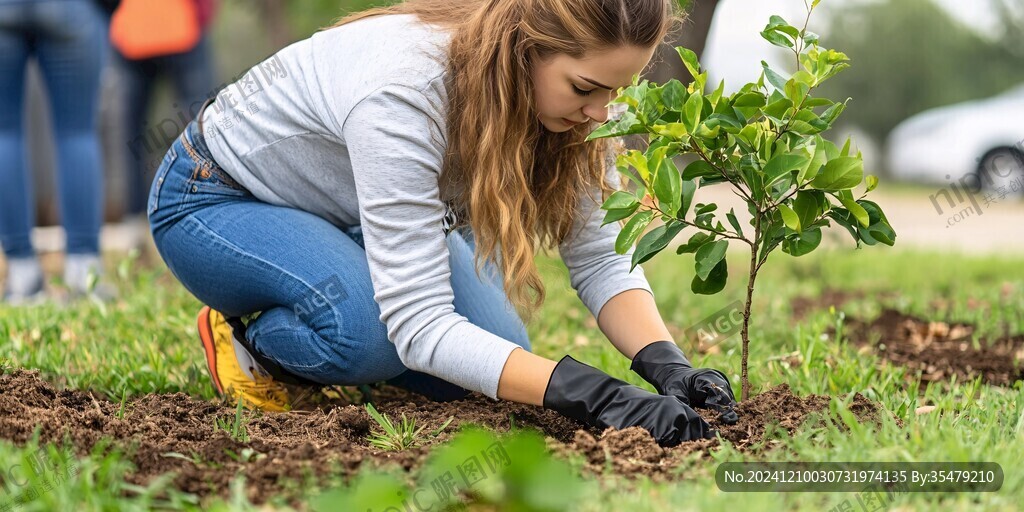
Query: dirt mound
(175, 432)
(940, 350)
(633, 451)
(803, 306)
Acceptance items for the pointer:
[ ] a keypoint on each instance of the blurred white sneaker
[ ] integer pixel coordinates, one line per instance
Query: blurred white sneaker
(84, 276)
(24, 282)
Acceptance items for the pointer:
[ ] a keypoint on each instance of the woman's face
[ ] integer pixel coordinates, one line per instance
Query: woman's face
(568, 89)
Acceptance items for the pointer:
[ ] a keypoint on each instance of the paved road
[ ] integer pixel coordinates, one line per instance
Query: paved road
(920, 222)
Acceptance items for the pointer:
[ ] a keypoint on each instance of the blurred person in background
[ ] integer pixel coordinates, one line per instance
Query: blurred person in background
(68, 39)
(153, 40)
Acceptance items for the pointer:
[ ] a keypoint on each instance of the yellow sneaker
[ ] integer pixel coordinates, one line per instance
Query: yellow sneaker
(234, 371)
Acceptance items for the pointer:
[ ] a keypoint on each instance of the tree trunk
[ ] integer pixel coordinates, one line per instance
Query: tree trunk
(275, 18)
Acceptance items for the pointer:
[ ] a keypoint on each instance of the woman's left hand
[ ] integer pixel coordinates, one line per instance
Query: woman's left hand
(664, 366)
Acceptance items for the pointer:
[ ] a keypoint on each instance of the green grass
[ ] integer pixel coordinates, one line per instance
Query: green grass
(146, 343)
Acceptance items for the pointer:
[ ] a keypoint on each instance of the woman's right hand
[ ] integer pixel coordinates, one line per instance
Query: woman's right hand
(586, 394)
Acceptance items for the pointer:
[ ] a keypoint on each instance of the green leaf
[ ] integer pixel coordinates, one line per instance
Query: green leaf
(781, 164)
(706, 208)
(789, 30)
(628, 124)
(667, 186)
(802, 243)
(872, 182)
(790, 217)
(671, 130)
(818, 102)
(796, 91)
(716, 96)
(805, 78)
(689, 188)
(734, 222)
(844, 219)
(690, 60)
(708, 256)
(776, 21)
(830, 114)
(841, 173)
(773, 77)
(632, 230)
(880, 230)
(696, 242)
(715, 281)
(639, 161)
(698, 169)
(705, 132)
(857, 211)
(807, 206)
(619, 214)
(620, 200)
(691, 111)
(818, 159)
(750, 99)
(777, 39)
(655, 241)
(674, 95)
(778, 108)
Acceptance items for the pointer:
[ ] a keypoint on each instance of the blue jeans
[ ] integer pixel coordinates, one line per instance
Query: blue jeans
(68, 37)
(308, 278)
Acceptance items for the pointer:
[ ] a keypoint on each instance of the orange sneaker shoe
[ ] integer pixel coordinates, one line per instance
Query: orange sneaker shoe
(235, 373)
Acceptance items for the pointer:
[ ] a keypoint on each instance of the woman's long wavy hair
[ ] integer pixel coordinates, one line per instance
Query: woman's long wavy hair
(520, 184)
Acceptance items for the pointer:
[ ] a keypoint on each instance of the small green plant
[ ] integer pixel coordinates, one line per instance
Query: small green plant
(398, 437)
(124, 399)
(235, 427)
(765, 143)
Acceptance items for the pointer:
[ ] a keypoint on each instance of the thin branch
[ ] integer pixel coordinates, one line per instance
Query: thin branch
(724, 234)
(735, 185)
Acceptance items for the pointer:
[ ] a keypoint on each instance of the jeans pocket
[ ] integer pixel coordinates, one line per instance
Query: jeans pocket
(211, 179)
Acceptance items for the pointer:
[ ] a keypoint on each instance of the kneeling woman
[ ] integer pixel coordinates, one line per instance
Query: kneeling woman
(376, 193)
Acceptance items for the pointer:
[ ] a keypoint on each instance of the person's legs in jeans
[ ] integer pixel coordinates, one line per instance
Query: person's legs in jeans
(137, 77)
(17, 208)
(193, 76)
(16, 205)
(308, 279)
(71, 48)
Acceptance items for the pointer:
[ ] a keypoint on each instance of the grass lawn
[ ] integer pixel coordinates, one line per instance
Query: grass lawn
(146, 343)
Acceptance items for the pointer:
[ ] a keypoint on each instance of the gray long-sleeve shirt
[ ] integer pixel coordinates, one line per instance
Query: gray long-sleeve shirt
(349, 125)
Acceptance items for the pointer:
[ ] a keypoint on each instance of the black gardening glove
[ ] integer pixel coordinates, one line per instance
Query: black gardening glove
(586, 394)
(664, 366)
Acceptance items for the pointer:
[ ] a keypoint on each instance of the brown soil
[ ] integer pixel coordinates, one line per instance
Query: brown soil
(633, 451)
(332, 439)
(803, 305)
(940, 350)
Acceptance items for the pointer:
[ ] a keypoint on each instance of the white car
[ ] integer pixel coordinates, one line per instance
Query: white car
(972, 143)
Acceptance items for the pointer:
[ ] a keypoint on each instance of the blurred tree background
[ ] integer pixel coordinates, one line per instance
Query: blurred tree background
(912, 55)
